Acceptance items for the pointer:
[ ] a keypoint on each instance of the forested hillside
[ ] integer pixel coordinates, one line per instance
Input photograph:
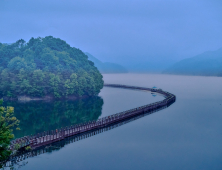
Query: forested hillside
(46, 67)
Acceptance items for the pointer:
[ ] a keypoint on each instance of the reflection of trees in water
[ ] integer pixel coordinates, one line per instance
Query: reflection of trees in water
(22, 155)
(15, 165)
(38, 116)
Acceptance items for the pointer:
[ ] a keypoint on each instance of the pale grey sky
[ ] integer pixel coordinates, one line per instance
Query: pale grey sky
(135, 33)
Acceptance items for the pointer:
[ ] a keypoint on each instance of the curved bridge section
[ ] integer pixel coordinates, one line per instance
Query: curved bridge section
(22, 155)
(50, 137)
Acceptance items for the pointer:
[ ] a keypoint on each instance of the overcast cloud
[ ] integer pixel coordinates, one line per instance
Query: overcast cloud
(135, 33)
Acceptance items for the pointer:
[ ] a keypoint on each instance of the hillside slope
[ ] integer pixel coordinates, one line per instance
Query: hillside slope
(46, 67)
(205, 64)
(106, 67)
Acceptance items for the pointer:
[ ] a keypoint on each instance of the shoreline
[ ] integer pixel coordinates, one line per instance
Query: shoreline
(25, 98)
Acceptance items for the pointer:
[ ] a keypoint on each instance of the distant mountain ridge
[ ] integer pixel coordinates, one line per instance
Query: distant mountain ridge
(206, 64)
(106, 67)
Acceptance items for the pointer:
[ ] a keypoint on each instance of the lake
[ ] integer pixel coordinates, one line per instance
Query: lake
(186, 135)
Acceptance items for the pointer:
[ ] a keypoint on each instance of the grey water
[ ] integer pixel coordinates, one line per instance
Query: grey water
(186, 135)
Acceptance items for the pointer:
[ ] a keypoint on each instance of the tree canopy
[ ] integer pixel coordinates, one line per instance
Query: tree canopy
(7, 122)
(46, 66)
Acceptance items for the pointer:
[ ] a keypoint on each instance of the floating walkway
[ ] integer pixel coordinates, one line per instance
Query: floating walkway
(53, 136)
(53, 140)
(24, 154)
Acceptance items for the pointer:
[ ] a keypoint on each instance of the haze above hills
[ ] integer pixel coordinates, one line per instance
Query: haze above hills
(106, 67)
(206, 64)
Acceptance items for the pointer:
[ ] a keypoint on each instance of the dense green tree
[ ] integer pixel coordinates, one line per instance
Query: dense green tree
(46, 66)
(7, 122)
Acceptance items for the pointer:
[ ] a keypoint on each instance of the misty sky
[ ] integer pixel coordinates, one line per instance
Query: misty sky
(134, 33)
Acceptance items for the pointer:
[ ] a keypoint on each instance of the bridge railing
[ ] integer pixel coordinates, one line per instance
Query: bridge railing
(26, 154)
(55, 135)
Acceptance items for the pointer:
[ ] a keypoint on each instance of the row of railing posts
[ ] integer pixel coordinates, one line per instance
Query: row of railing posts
(55, 135)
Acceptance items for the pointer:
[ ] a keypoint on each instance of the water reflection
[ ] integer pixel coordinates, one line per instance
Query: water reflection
(39, 116)
(23, 155)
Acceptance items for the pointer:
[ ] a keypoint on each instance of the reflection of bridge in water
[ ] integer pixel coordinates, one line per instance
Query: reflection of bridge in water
(56, 139)
(22, 155)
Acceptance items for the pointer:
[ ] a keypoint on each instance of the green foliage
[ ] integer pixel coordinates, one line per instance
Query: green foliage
(17, 146)
(46, 66)
(7, 122)
(28, 148)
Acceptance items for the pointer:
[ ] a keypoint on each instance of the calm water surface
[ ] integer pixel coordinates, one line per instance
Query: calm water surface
(187, 135)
